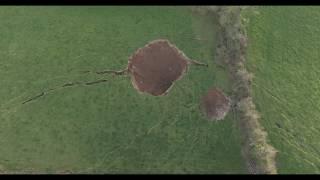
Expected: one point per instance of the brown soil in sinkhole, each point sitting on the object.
(155, 67)
(215, 104)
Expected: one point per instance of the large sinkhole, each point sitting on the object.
(155, 67)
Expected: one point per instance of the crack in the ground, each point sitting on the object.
(66, 85)
(34, 98)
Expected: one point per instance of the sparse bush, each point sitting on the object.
(259, 150)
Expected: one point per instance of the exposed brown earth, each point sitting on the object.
(215, 104)
(155, 67)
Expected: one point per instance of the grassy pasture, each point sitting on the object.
(283, 54)
(107, 127)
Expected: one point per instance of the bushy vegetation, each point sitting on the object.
(230, 52)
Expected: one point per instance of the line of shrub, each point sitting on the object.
(230, 53)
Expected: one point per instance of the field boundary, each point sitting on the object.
(230, 54)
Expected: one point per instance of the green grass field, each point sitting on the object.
(109, 127)
(284, 56)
